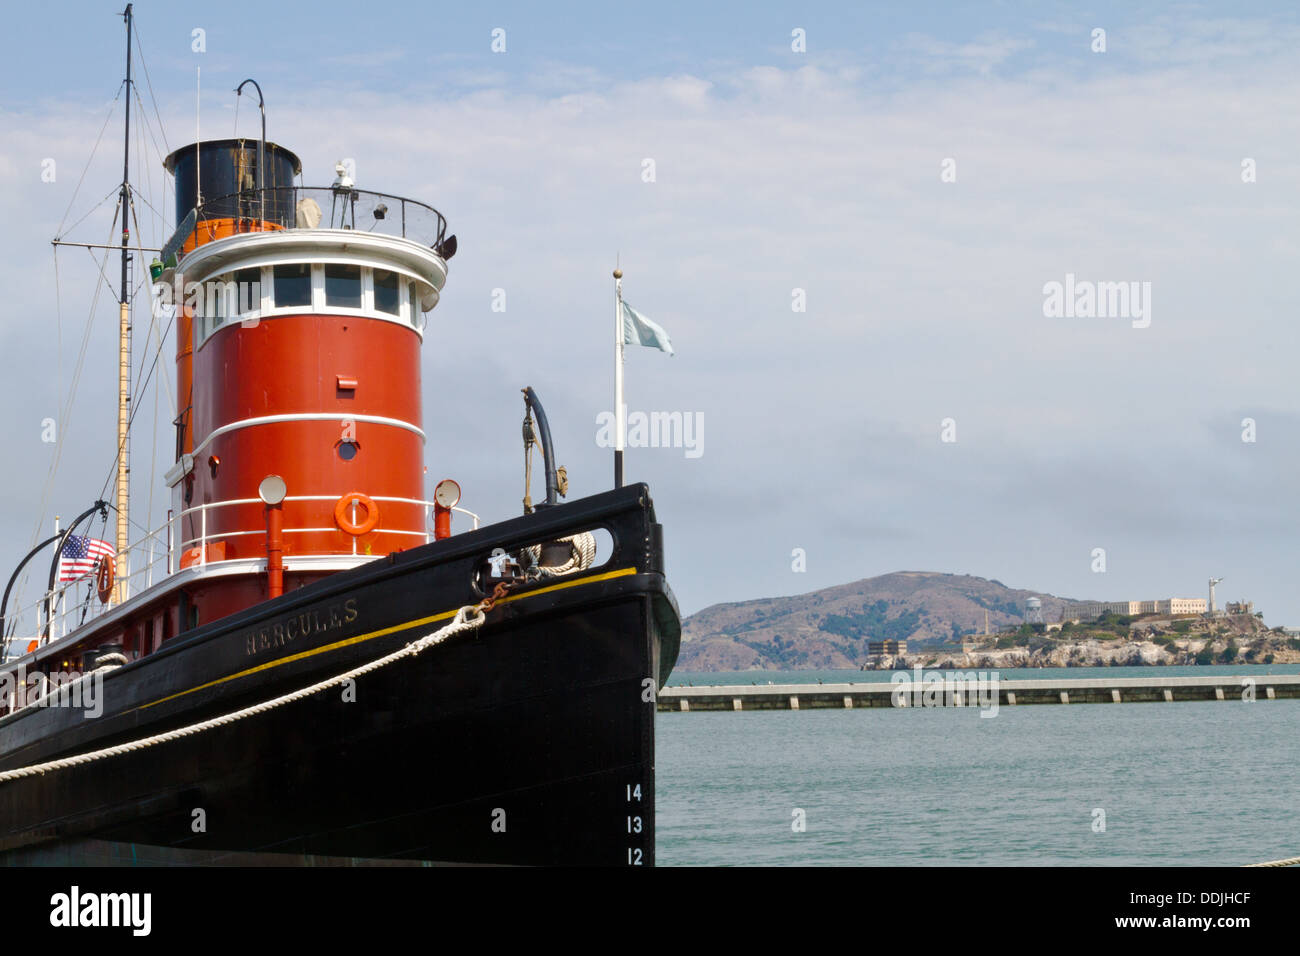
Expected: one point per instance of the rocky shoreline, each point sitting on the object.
(1101, 652)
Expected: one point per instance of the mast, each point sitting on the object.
(124, 345)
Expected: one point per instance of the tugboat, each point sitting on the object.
(304, 665)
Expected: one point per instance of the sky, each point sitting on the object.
(848, 217)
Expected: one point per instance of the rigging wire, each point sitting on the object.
(66, 410)
(153, 209)
(144, 380)
(143, 170)
(111, 194)
(153, 324)
(153, 457)
(140, 385)
(149, 82)
(148, 180)
(100, 265)
(134, 409)
(89, 161)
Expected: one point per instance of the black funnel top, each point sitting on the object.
(227, 166)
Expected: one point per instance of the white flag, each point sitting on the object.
(638, 330)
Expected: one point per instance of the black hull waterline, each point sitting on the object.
(529, 741)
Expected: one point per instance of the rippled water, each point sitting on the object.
(1184, 783)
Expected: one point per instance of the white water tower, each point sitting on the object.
(1033, 611)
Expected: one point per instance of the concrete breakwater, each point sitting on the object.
(977, 689)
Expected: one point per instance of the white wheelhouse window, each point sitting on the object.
(293, 286)
(386, 291)
(343, 286)
(244, 298)
(412, 298)
(268, 291)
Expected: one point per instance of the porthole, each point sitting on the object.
(348, 450)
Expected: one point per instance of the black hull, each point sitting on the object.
(530, 741)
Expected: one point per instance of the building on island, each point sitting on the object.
(1181, 606)
(882, 648)
(1091, 610)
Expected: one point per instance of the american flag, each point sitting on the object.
(79, 556)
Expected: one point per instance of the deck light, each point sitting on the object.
(447, 493)
(272, 490)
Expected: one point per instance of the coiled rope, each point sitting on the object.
(468, 618)
(582, 551)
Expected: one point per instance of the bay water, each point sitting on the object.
(1158, 784)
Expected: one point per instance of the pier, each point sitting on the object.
(964, 689)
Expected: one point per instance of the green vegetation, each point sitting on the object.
(1009, 608)
(1205, 655)
(1229, 653)
(1162, 640)
(1182, 627)
(780, 651)
(1115, 623)
(873, 624)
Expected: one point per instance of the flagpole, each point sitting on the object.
(620, 426)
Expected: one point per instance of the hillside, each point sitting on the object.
(830, 628)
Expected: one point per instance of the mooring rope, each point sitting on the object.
(1289, 861)
(468, 618)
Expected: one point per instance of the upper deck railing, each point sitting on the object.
(157, 555)
(314, 207)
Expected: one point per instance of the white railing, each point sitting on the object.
(157, 555)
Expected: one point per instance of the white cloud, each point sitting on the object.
(980, 55)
